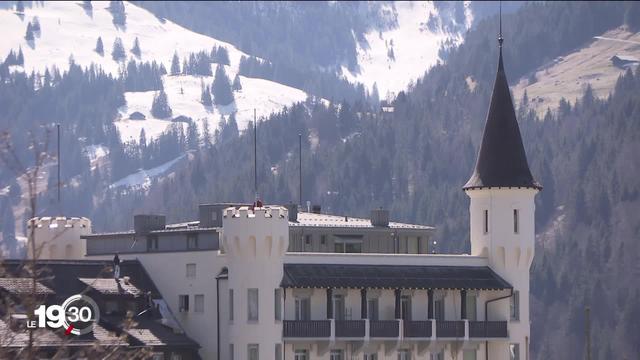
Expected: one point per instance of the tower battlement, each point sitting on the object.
(58, 222)
(265, 212)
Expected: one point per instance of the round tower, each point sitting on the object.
(255, 241)
(58, 237)
(502, 209)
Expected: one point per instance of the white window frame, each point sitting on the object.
(302, 308)
(183, 303)
(516, 221)
(485, 221)
(404, 354)
(514, 306)
(253, 349)
(514, 351)
(191, 270)
(301, 354)
(336, 354)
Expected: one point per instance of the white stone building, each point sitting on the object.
(270, 282)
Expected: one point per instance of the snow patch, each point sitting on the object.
(142, 178)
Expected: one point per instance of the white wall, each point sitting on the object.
(59, 237)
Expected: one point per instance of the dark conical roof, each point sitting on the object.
(502, 161)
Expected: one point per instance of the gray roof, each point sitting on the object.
(309, 219)
(502, 161)
(391, 277)
(21, 286)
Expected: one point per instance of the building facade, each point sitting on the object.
(271, 282)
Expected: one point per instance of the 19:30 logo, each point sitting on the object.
(77, 315)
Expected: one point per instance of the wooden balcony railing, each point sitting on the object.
(450, 329)
(417, 329)
(349, 328)
(384, 329)
(307, 328)
(488, 329)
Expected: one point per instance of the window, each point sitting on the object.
(152, 242)
(405, 307)
(486, 221)
(404, 354)
(252, 304)
(278, 352)
(192, 241)
(438, 309)
(307, 242)
(372, 310)
(514, 351)
(198, 303)
(191, 270)
(323, 239)
(348, 244)
(516, 214)
(471, 307)
(253, 352)
(214, 216)
(336, 355)
(231, 305)
(372, 356)
(515, 306)
(176, 356)
(111, 307)
(184, 303)
(438, 356)
(301, 355)
(303, 309)
(157, 356)
(469, 355)
(277, 303)
(231, 355)
(338, 307)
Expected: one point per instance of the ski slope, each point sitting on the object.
(68, 30)
(415, 48)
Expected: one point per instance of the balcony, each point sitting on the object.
(306, 329)
(417, 329)
(384, 329)
(450, 329)
(350, 328)
(488, 329)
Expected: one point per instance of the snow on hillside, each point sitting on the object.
(68, 30)
(142, 178)
(415, 49)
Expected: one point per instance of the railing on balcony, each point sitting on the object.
(349, 328)
(384, 328)
(488, 329)
(307, 328)
(450, 329)
(417, 329)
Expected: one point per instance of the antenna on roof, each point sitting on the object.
(58, 155)
(500, 38)
(300, 167)
(255, 155)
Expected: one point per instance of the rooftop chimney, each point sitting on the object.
(380, 217)
(293, 211)
(143, 224)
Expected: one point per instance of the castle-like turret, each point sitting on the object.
(59, 237)
(255, 241)
(502, 207)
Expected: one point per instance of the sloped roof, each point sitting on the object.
(502, 161)
(20, 286)
(391, 276)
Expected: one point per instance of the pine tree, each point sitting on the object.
(221, 88)
(160, 107)
(29, 35)
(135, 50)
(118, 52)
(185, 67)
(20, 7)
(205, 96)
(20, 57)
(36, 24)
(100, 46)
(175, 64)
(237, 86)
(87, 5)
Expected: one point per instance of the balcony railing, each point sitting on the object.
(417, 329)
(306, 328)
(450, 329)
(350, 328)
(384, 329)
(488, 329)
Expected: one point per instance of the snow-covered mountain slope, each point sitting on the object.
(394, 58)
(69, 30)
